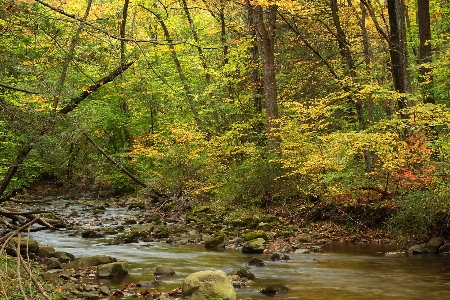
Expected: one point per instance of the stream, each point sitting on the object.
(343, 271)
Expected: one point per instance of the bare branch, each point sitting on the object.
(9, 87)
(75, 17)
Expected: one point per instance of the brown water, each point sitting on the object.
(343, 271)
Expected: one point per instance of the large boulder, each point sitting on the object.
(211, 284)
(254, 246)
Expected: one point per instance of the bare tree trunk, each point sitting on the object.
(257, 86)
(266, 40)
(398, 50)
(423, 19)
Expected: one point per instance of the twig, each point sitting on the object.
(9, 87)
(19, 278)
(5, 239)
(27, 269)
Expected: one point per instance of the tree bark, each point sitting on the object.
(257, 86)
(423, 19)
(266, 40)
(398, 50)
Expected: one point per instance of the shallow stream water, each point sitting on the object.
(343, 271)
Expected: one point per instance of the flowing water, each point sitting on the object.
(343, 271)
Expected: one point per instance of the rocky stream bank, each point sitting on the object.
(172, 221)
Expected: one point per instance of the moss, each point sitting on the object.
(217, 242)
(202, 209)
(168, 206)
(255, 234)
(162, 232)
(192, 218)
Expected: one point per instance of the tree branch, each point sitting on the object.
(9, 87)
(93, 87)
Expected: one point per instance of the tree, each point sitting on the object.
(398, 50)
(423, 20)
(265, 33)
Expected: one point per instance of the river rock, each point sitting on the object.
(115, 269)
(148, 283)
(45, 251)
(64, 257)
(434, 244)
(92, 234)
(95, 260)
(53, 263)
(254, 246)
(211, 284)
(163, 271)
(418, 249)
(256, 262)
(104, 290)
(25, 243)
(301, 251)
(74, 213)
(444, 248)
(86, 295)
(217, 242)
(279, 256)
(242, 273)
(275, 289)
(51, 276)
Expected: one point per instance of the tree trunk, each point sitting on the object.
(346, 54)
(256, 84)
(423, 19)
(266, 40)
(398, 50)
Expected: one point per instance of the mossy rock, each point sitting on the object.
(136, 205)
(192, 218)
(249, 222)
(168, 206)
(161, 232)
(202, 209)
(216, 243)
(243, 273)
(255, 234)
(275, 289)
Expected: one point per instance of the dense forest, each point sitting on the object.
(232, 103)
